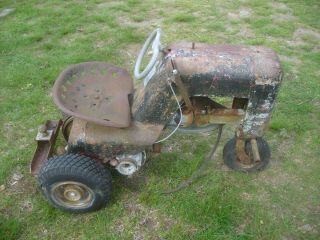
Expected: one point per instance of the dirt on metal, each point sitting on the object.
(45, 145)
(96, 92)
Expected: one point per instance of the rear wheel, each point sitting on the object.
(75, 183)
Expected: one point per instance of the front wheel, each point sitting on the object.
(75, 183)
(232, 161)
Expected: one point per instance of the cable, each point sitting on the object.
(175, 96)
(205, 162)
(200, 170)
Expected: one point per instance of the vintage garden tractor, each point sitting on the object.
(109, 122)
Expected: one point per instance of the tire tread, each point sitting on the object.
(80, 166)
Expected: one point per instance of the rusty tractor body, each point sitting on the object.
(110, 122)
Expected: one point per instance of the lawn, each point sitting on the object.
(41, 38)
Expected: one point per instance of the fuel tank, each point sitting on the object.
(224, 70)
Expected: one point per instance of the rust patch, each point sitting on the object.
(244, 72)
(96, 92)
(45, 145)
(106, 142)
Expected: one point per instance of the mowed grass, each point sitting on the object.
(41, 38)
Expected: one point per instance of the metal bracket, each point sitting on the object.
(255, 150)
(240, 147)
(46, 138)
(242, 156)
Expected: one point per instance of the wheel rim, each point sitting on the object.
(72, 194)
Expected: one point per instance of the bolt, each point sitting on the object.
(43, 129)
(113, 162)
(175, 71)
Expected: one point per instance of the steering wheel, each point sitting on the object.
(154, 39)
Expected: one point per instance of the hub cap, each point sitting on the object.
(72, 194)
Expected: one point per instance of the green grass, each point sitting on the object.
(183, 18)
(41, 38)
(9, 228)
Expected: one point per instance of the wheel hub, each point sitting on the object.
(72, 194)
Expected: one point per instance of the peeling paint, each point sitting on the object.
(208, 71)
